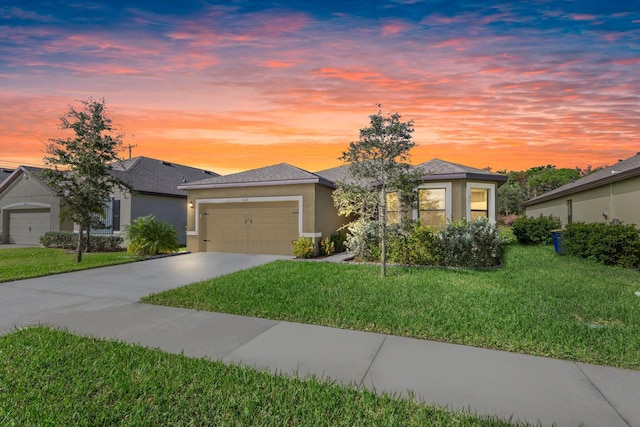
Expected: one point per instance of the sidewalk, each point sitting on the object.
(102, 303)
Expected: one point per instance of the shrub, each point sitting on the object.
(535, 231)
(327, 247)
(338, 238)
(472, 244)
(303, 247)
(68, 240)
(147, 236)
(413, 244)
(363, 239)
(610, 244)
(60, 240)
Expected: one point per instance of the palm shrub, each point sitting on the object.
(147, 236)
(536, 231)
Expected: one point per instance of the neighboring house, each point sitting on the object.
(608, 195)
(4, 174)
(29, 207)
(264, 210)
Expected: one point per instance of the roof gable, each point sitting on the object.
(620, 171)
(31, 171)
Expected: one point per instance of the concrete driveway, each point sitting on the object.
(29, 301)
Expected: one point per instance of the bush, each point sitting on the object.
(363, 239)
(69, 241)
(472, 244)
(338, 238)
(303, 247)
(60, 240)
(413, 244)
(535, 231)
(327, 247)
(610, 244)
(147, 236)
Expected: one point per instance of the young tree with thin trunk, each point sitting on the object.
(380, 158)
(79, 167)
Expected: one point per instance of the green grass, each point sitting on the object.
(25, 263)
(50, 377)
(539, 303)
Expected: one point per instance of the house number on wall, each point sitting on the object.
(245, 199)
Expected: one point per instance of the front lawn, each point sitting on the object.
(539, 303)
(25, 263)
(50, 377)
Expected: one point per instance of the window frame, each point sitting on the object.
(491, 206)
(448, 198)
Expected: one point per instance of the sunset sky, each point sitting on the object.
(234, 85)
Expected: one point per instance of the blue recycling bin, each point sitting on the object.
(558, 241)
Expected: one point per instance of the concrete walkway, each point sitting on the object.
(103, 303)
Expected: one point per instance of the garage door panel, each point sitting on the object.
(27, 227)
(268, 227)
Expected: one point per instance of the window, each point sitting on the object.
(393, 208)
(570, 211)
(432, 207)
(479, 203)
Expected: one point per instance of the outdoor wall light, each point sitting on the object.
(191, 204)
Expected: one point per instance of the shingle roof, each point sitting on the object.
(437, 169)
(154, 176)
(4, 174)
(622, 170)
(280, 174)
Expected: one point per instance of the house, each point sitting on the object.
(264, 210)
(4, 174)
(608, 195)
(29, 207)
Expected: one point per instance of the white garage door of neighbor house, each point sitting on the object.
(256, 228)
(26, 228)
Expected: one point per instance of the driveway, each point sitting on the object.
(25, 302)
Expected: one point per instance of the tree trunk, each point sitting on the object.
(383, 233)
(80, 244)
(88, 245)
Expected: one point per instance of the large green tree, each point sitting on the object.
(79, 166)
(378, 162)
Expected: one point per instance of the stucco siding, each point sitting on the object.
(617, 201)
(328, 221)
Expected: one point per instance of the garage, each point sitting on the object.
(258, 228)
(26, 227)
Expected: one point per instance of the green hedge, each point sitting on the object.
(610, 244)
(535, 231)
(68, 240)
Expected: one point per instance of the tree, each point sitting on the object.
(379, 161)
(79, 167)
(510, 199)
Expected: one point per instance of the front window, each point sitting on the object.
(479, 203)
(432, 207)
(393, 208)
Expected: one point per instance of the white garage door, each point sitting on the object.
(25, 228)
(256, 228)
